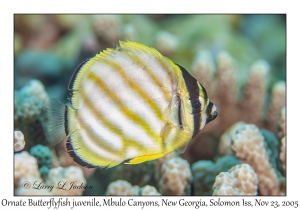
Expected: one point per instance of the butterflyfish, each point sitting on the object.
(128, 104)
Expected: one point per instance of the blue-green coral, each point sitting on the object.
(273, 149)
(205, 171)
(44, 171)
(43, 156)
(28, 102)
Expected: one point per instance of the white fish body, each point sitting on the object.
(129, 104)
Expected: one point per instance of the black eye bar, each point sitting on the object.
(196, 104)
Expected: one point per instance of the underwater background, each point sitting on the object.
(239, 59)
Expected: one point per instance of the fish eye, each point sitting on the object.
(196, 104)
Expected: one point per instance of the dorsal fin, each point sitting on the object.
(135, 46)
(73, 78)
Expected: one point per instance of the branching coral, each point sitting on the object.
(278, 101)
(176, 177)
(205, 171)
(25, 164)
(227, 91)
(223, 88)
(29, 102)
(122, 187)
(254, 94)
(249, 146)
(239, 180)
(19, 141)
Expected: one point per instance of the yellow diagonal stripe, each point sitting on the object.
(151, 74)
(126, 111)
(132, 84)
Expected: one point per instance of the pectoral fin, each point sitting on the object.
(181, 149)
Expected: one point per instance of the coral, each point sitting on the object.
(44, 171)
(239, 180)
(166, 43)
(254, 94)
(43, 155)
(25, 164)
(149, 190)
(234, 103)
(283, 153)
(37, 89)
(272, 146)
(107, 28)
(278, 101)
(224, 147)
(19, 141)
(227, 92)
(248, 145)
(70, 180)
(29, 102)
(140, 174)
(122, 187)
(205, 171)
(282, 124)
(176, 177)
(159, 162)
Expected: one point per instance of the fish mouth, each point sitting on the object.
(212, 115)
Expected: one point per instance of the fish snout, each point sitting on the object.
(212, 115)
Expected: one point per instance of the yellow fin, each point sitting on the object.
(145, 158)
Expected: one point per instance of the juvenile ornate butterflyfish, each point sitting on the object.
(129, 104)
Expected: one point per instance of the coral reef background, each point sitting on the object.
(239, 59)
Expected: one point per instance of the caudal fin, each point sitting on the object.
(54, 121)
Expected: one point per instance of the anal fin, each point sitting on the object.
(145, 158)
